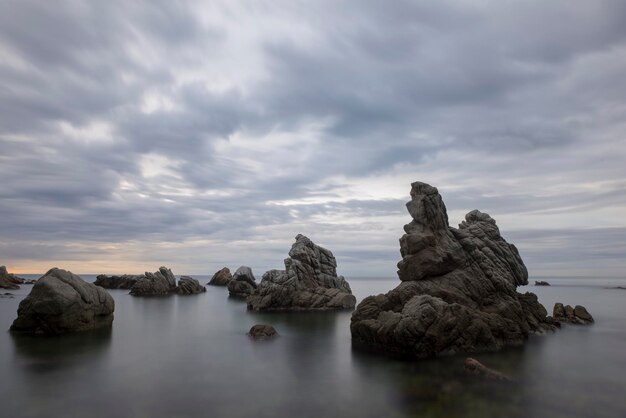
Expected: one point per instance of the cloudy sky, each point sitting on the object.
(206, 134)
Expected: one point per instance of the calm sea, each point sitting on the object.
(189, 356)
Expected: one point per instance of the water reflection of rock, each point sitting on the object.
(440, 388)
(46, 354)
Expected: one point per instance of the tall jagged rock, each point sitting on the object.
(309, 282)
(458, 290)
(61, 302)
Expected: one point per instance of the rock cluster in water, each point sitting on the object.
(61, 302)
(125, 281)
(309, 282)
(458, 291)
(577, 315)
(8, 280)
(221, 277)
(243, 283)
(160, 283)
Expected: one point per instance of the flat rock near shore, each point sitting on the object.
(458, 290)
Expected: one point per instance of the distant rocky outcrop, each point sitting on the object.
(261, 331)
(61, 302)
(8, 280)
(243, 283)
(221, 277)
(160, 283)
(309, 282)
(577, 315)
(189, 286)
(458, 291)
(125, 281)
(541, 283)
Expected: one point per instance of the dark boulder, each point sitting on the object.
(189, 286)
(125, 281)
(221, 277)
(243, 283)
(260, 331)
(577, 315)
(61, 302)
(309, 282)
(458, 290)
(160, 283)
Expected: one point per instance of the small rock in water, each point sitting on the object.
(189, 286)
(541, 283)
(261, 331)
(221, 277)
(577, 315)
(476, 368)
(243, 283)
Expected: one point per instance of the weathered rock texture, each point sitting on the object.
(458, 291)
(61, 302)
(243, 283)
(8, 280)
(125, 281)
(160, 283)
(309, 282)
(221, 277)
(261, 331)
(577, 315)
(189, 286)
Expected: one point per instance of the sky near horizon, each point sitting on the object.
(202, 134)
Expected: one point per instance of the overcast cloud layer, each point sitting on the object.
(204, 134)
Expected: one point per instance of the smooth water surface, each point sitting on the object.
(189, 356)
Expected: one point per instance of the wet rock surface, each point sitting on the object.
(189, 286)
(458, 290)
(243, 283)
(61, 302)
(309, 282)
(160, 283)
(221, 278)
(577, 315)
(261, 331)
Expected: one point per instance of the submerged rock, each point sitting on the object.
(577, 315)
(541, 283)
(261, 331)
(8, 280)
(160, 283)
(243, 283)
(189, 286)
(309, 282)
(61, 302)
(475, 367)
(221, 277)
(458, 291)
(125, 281)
